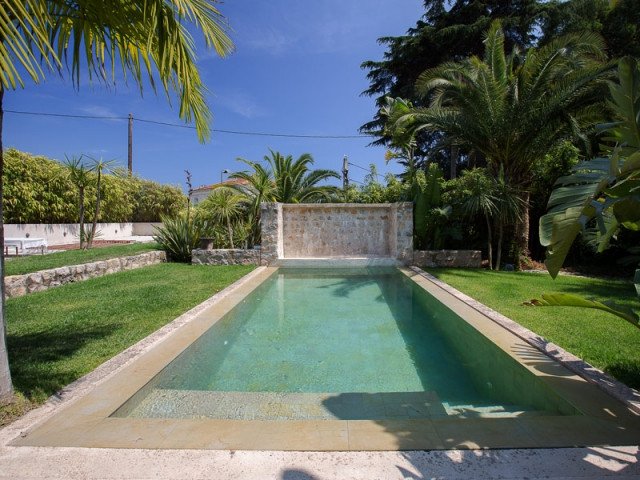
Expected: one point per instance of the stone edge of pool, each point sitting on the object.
(79, 415)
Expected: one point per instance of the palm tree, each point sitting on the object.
(295, 182)
(136, 36)
(513, 108)
(225, 206)
(100, 167)
(480, 199)
(79, 174)
(256, 187)
(282, 180)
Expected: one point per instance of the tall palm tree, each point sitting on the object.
(281, 180)
(296, 182)
(513, 108)
(104, 36)
(256, 187)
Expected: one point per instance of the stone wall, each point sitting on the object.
(448, 258)
(271, 232)
(225, 257)
(326, 231)
(336, 230)
(18, 285)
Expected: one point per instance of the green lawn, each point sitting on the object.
(601, 339)
(33, 263)
(57, 336)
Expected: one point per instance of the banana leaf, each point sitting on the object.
(569, 300)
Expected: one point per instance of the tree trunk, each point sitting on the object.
(489, 242)
(499, 247)
(95, 217)
(454, 161)
(523, 230)
(6, 387)
(81, 208)
(230, 232)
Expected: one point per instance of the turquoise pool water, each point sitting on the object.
(313, 333)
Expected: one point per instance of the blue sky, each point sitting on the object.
(295, 70)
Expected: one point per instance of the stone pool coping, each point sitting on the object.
(611, 386)
(86, 405)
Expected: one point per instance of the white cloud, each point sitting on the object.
(269, 40)
(98, 111)
(239, 103)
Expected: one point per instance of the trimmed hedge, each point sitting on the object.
(38, 190)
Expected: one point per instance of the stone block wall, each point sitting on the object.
(18, 285)
(403, 226)
(226, 257)
(271, 232)
(322, 230)
(448, 258)
(336, 230)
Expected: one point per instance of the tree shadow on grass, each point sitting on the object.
(39, 361)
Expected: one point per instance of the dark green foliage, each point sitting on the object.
(179, 235)
(556, 163)
(449, 31)
(602, 190)
(620, 26)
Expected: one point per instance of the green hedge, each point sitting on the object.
(38, 190)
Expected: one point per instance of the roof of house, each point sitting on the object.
(230, 181)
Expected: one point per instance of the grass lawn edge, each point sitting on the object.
(613, 387)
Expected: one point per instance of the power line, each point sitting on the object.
(361, 168)
(42, 114)
(176, 125)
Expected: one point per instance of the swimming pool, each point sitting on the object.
(306, 336)
(565, 411)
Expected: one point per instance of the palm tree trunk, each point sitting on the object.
(454, 161)
(523, 230)
(95, 217)
(230, 232)
(6, 387)
(81, 209)
(489, 242)
(499, 247)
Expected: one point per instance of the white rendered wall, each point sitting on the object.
(63, 233)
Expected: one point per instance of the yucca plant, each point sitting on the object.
(179, 235)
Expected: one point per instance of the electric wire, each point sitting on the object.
(176, 125)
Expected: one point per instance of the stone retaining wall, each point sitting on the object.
(18, 285)
(225, 257)
(336, 230)
(448, 258)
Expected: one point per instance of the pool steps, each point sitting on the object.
(163, 403)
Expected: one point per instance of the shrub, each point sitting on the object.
(179, 235)
(39, 190)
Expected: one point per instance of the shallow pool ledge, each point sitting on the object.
(341, 262)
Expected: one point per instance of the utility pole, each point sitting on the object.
(130, 146)
(345, 173)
